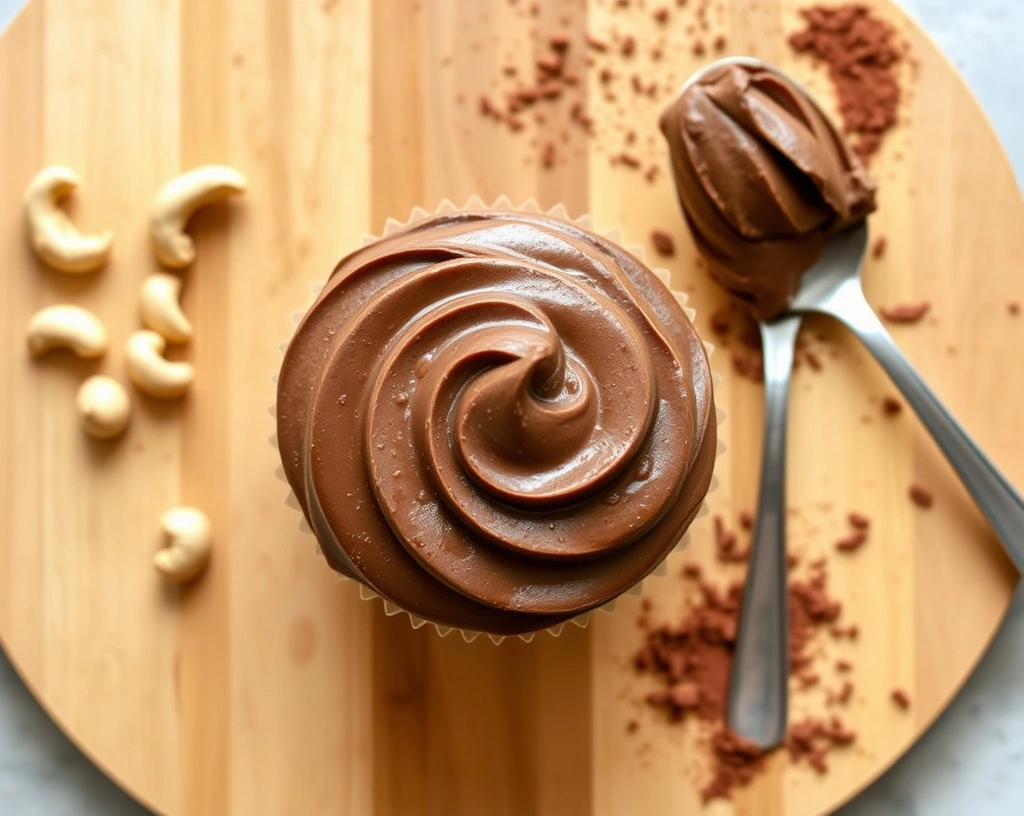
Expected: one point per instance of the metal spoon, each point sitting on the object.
(759, 683)
(758, 694)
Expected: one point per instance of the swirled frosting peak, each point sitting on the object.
(496, 420)
(763, 178)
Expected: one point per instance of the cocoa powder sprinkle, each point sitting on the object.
(891, 406)
(920, 496)
(663, 242)
(904, 312)
(862, 55)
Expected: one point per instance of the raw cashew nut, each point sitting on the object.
(66, 326)
(188, 550)
(160, 309)
(151, 372)
(176, 202)
(104, 407)
(54, 238)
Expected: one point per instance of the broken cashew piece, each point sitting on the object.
(152, 373)
(104, 407)
(175, 203)
(57, 241)
(158, 302)
(66, 326)
(189, 544)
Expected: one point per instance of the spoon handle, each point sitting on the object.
(995, 497)
(759, 685)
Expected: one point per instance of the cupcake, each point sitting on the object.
(496, 420)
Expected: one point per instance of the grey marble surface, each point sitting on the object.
(970, 762)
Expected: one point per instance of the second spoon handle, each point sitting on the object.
(759, 685)
(1001, 505)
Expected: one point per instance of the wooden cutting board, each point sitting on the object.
(270, 688)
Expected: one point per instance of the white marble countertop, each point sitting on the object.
(971, 761)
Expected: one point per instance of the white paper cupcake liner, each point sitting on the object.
(503, 204)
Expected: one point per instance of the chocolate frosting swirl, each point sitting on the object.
(763, 178)
(496, 420)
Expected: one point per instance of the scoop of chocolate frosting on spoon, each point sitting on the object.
(763, 178)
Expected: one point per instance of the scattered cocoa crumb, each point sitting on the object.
(852, 631)
(810, 607)
(1013, 307)
(808, 678)
(843, 665)
(878, 247)
(859, 520)
(627, 47)
(844, 694)
(746, 519)
(559, 41)
(905, 312)
(632, 726)
(891, 406)
(692, 570)
(547, 157)
(812, 739)
(698, 48)
(596, 43)
(550, 63)
(727, 550)
(852, 542)
(901, 698)
(862, 55)
(719, 42)
(736, 762)
(661, 14)
(920, 496)
(663, 243)
(735, 322)
(748, 365)
(487, 107)
(628, 159)
(651, 173)
(720, 322)
(813, 360)
(696, 651)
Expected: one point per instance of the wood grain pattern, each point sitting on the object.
(268, 687)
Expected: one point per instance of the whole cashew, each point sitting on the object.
(158, 301)
(152, 373)
(104, 407)
(175, 203)
(188, 550)
(66, 326)
(54, 238)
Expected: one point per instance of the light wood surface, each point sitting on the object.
(270, 688)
